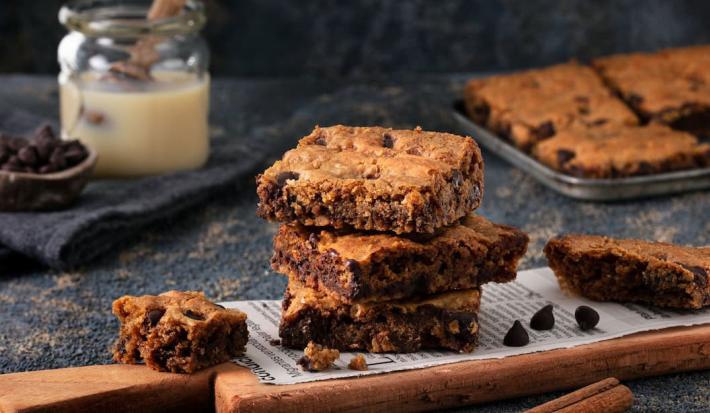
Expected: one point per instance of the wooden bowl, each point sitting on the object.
(21, 191)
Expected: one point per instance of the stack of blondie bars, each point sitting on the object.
(378, 239)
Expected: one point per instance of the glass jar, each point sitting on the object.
(135, 90)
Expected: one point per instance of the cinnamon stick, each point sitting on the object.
(607, 396)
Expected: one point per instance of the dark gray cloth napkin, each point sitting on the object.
(110, 211)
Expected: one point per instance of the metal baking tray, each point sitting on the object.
(615, 189)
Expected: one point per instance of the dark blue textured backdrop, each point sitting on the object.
(367, 38)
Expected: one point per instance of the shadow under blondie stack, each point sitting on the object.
(379, 242)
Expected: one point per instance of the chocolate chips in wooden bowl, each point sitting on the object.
(42, 172)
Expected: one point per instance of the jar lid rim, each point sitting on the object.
(109, 18)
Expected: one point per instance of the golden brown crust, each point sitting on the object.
(629, 270)
(611, 151)
(373, 178)
(318, 358)
(533, 105)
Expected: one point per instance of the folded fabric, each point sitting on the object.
(110, 211)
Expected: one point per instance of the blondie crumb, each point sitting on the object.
(358, 363)
(318, 358)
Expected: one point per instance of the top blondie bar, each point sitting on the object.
(373, 178)
(671, 86)
(532, 105)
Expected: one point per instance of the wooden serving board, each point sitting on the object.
(230, 388)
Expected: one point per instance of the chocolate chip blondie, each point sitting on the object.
(628, 270)
(530, 106)
(671, 86)
(444, 321)
(179, 332)
(379, 266)
(612, 151)
(373, 178)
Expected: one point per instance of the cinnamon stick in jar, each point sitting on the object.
(607, 396)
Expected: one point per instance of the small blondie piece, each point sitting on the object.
(629, 270)
(671, 86)
(443, 321)
(368, 267)
(530, 106)
(318, 358)
(613, 151)
(372, 178)
(179, 332)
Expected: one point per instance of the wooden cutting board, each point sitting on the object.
(230, 388)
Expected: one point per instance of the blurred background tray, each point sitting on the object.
(616, 189)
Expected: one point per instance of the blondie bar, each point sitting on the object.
(671, 86)
(611, 151)
(180, 332)
(446, 321)
(530, 106)
(372, 178)
(628, 270)
(377, 266)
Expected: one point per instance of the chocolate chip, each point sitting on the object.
(47, 169)
(516, 336)
(28, 155)
(305, 363)
(701, 274)
(354, 267)
(544, 319)
(583, 110)
(44, 132)
(45, 148)
(586, 317)
(597, 122)
(282, 177)
(545, 130)
(57, 159)
(275, 342)
(387, 141)
(456, 178)
(634, 99)
(155, 315)
(564, 156)
(313, 239)
(194, 315)
(320, 140)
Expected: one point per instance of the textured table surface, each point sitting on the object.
(51, 319)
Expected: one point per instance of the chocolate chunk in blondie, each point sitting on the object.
(628, 270)
(179, 332)
(372, 178)
(671, 86)
(377, 266)
(446, 321)
(531, 106)
(611, 151)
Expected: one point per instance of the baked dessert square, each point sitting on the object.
(443, 321)
(530, 106)
(359, 267)
(671, 86)
(628, 270)
(373, 178)
(612, 151)
(179, 332)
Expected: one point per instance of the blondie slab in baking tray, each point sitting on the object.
(584, 188)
